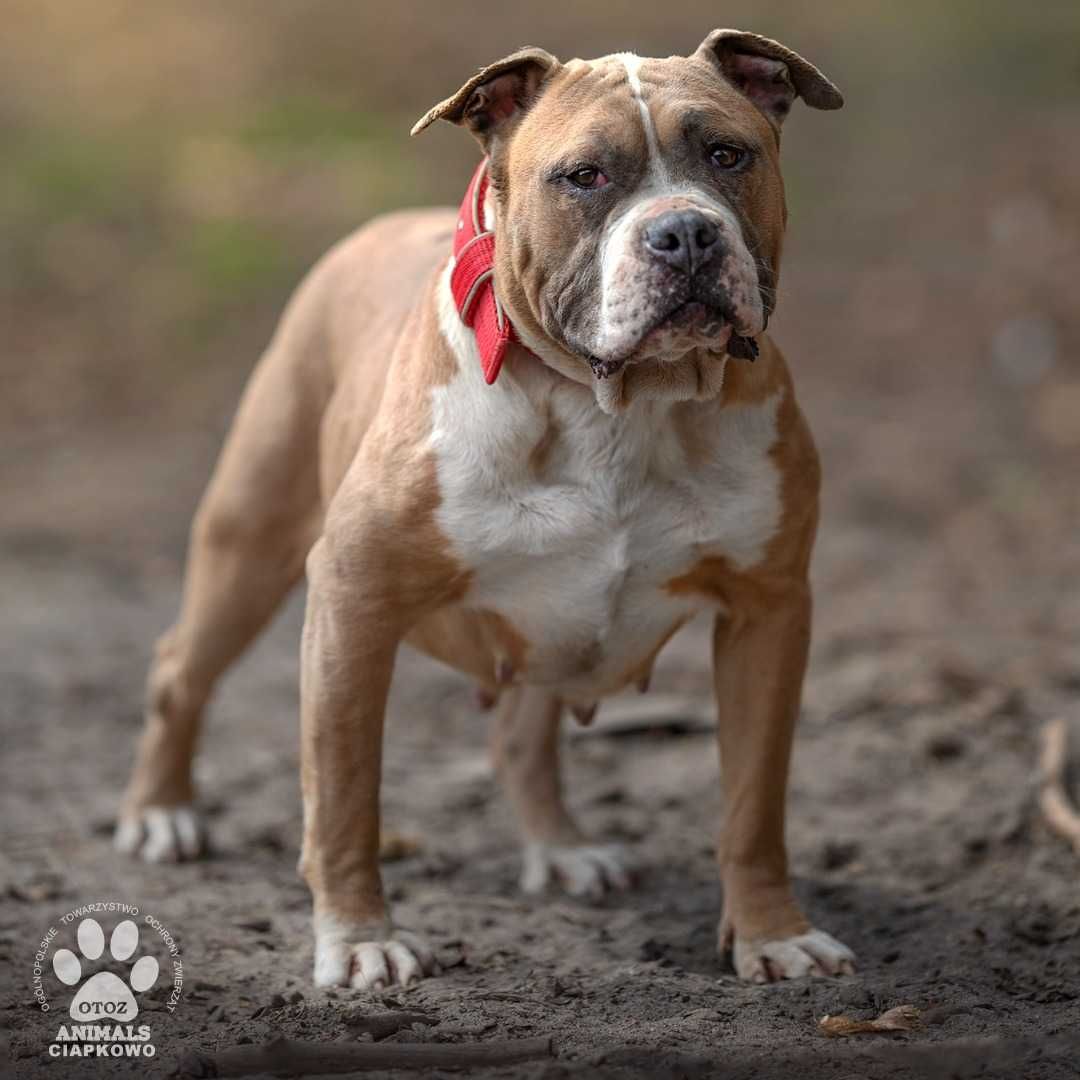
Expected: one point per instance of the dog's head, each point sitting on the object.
(639, 204)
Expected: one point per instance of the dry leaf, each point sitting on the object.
(900, 1018)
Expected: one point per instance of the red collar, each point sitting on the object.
(472, 279)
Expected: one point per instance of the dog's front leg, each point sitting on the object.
(351, 634)
(759, 661)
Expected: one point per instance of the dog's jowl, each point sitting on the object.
(533, 436)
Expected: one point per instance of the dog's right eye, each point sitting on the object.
(587, 177)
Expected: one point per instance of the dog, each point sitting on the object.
(532, 438)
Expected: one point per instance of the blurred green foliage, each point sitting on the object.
(310, 124)
(169, 170)
(64, 174)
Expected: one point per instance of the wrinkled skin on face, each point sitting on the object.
(592, 267)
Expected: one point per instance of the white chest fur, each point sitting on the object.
(572, 520)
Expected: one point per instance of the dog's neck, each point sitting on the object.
(696, 376)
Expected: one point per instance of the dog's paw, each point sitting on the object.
(812, 953)
(344, 959)
(161, 834)
(588, 870)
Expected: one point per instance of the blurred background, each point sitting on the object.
(169, 171)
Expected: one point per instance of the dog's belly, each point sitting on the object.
(589, 616)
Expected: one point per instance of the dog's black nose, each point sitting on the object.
(684, 239)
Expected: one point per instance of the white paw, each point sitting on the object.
(812, 953)
(582, 870)
(161, 834)
(344, 958)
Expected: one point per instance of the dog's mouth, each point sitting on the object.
(689, 324)
(694, 315)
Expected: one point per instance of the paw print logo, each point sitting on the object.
(105, 996)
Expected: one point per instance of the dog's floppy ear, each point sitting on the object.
(768, 73)
(494, 99)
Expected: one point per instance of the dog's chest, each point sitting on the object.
(573, 522)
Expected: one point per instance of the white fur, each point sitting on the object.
(162, 834)
(368, 957)
(657, 165)
(812, 953)
(578, 558)
(582, 870)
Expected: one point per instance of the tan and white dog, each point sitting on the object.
(548, 533)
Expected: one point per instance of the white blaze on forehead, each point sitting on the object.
(632, 63)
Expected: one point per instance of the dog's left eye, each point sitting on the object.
(726, 156)
(587, 177)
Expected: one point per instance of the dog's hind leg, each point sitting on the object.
(256, 522)
(526, 751)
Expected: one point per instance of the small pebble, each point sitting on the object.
(945, 748)
(257, 926)
(837, 854)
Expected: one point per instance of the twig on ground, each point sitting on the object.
(383, 1024)
(292, 1057)
(1059, 810)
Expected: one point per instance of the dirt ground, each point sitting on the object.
(931, 322)
(946, 632)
